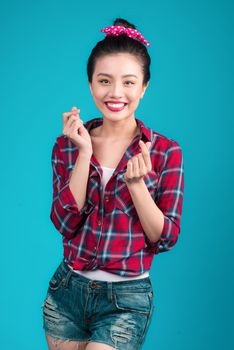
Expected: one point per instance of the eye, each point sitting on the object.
(129, 82)
(102, 80)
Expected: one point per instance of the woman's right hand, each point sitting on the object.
(74, 129)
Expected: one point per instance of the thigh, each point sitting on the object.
(61, 344)
(98, 346)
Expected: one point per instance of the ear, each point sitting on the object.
(144, 88)
(90, 87)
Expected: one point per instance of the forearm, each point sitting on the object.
(150, 216)
(79, 179)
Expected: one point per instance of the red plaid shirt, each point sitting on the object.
(107, 233)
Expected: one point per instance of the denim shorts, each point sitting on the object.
(114, 313)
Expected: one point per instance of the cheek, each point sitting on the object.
(135, 96)
(135, 101)
(98, 97)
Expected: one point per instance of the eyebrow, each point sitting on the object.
(124, 76)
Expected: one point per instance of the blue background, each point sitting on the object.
(44, 49)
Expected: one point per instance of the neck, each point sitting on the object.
(116, 130)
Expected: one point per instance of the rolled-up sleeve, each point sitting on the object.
(169, 198)
(64, 214)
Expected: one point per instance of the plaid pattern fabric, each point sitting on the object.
(106, 233)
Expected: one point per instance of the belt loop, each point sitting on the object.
(109, 291)
(66, 279)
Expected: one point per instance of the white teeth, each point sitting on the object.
(115, 105)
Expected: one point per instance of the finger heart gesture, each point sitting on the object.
(139, 165)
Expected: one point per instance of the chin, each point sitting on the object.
(117, 118)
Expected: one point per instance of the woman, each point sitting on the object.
(117, 201)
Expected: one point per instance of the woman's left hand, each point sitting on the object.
(139, 165)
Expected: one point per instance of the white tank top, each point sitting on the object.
(100, 274)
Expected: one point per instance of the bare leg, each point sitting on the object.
(60, 344)
(98, 346)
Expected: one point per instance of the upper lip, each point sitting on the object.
(115, 101)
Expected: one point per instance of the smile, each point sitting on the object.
(115, 107)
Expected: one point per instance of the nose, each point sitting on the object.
(116, 91)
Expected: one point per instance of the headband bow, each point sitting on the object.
(131, 33)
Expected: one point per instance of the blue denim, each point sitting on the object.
(115, 313)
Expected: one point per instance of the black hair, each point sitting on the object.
(120, 44)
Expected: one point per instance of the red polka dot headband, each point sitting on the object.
(131, 33)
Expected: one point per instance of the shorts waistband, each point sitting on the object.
(144, 283)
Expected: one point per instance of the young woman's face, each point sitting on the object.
(117, 78)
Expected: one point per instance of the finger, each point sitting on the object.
(75, 127)
(76, 111)
(76, 122)
(148, 144)
(66, 115)
(129, 172)
(136, 170)
(70, 121)
(81, 129)
(65, 118)
(142, 167)
(73, 123)
(145, 154)
(74, 130)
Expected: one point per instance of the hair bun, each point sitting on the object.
(123, 22)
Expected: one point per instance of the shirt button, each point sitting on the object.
(99, 223)
(107, 199)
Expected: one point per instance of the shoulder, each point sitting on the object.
(159, 141)
(162, 143)
(164, 150)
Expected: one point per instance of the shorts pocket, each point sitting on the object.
(57, 279)
(141, 302)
